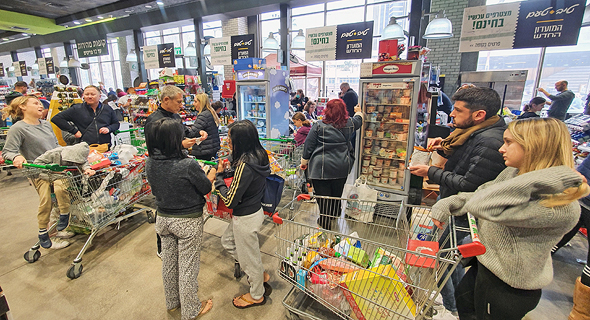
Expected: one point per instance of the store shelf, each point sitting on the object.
(384, 158)
(255, 101)
(249, 117)
(388, 139)
(388, 104)
(382, 185)
(584, 148)
(389, 121)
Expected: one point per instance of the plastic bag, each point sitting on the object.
(126, 152)
(361, 208)
(420, 156)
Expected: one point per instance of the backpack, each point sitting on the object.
(273, 192)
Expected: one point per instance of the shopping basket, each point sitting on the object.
(392, 268)
(96, 202)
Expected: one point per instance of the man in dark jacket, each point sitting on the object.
(93, 121)
(472, 157)
(170, 104)
(349, 96)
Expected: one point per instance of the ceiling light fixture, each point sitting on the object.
(439, 28)
(132, 56)
(190, 50)
(88, 20)
(160, 3)
(393, 31)
(64, 63)
(73, 63)
(270, 43)
(76, 22)
(5, 39)
(298, 42)
(25, 34)
(100, 17)
(148, 6)
(128, 11)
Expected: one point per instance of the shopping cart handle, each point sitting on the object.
(276, 219)
(303, 196)
(211, 163)
(475, 248)
(123, 131)
(51, 167)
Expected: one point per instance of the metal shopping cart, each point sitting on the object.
(391, 268)
(287, 156)
(134, 137)
(98, 201)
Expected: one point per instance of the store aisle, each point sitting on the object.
(122, 280)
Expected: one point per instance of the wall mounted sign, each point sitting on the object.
(341, 42)
(242, 47)
(49, 65)
(92, 48)
(221, 51)
(526, 24)
(150, 57)
(166, 55)
(42, 66)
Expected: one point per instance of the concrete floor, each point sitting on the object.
(122, 275)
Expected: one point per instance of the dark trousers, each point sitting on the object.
(583, 223)
(329, 209)
(483, 296)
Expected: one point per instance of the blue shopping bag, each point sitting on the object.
(272, 194)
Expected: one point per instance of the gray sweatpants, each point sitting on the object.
(240, 239)
(181, 255)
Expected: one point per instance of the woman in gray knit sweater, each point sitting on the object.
(522, 214)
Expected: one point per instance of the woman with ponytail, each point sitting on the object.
(521, 215)
(530, 109)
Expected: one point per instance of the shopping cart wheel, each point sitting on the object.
(237, 271)
(151, 217)
(75, 271)
(293, 316)
(32, 256)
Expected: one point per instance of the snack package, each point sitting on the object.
(420, 156)
(358, 256)
(315, 241)
(337, 265)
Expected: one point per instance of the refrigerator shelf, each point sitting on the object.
(255, 102)
(388, 121)
(250, 117)
(383, 185)
(388, 104)
(384, 138)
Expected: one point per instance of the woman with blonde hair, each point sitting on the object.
(208, 121)
(26, 141)
(522, 213)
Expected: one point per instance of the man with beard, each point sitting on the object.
(472, 159)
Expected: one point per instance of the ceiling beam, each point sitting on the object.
(102, 10)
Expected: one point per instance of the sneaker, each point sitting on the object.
(159, 254)
(439, 300)
(441, 313)
(44, 240)
(63, 222)
(64, 234)
(59, 243)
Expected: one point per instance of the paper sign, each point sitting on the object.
(220, 51)
(320, 44)
(150, 57)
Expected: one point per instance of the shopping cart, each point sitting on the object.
(134, 137)
(98, 201)
(391, 268)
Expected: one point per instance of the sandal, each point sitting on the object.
(204, 309)
(267, 289)
(251, 303)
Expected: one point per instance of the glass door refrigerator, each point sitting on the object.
(388, 96)
(263, 98)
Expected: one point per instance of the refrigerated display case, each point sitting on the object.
(263, 98)
(388, 96)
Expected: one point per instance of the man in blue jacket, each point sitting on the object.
(93, 121)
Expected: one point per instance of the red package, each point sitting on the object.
(338, 265)
(425, 248)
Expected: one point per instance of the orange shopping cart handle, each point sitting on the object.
(472, 249)
(303, 196)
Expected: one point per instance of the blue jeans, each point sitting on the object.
(448, 290)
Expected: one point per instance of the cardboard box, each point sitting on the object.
(249, 63)
(374, 292)
(358, 256)
(429, 248)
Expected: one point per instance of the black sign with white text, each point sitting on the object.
(166, 55)
(354, 40)
(92, 48)
(242, 47)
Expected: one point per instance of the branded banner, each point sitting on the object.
(220, 51)
(92, 48)
(42, 66)
(2, 70)
(23, 68)
(150, 57)
(354, 40)
(526, 24)
(320, 44)
(49, 65)
(166, 55)
(242, 47)
(341, 42)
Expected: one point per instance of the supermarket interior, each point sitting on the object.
(381, 119)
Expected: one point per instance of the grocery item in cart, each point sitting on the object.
(425, 248)
(360, 210)
(382, 284)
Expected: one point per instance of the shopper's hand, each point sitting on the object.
(357, 108)
(203, 134)
(434, 144)
(104, 130)
(303, 167)
(211, 174)
(582, 176)
(78, 134)
(438, 224)
(18, 161)
(187, 143)
(89, 172)
(419, 170)
(543, 91)
(221, 166)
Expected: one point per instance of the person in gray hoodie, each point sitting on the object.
(76, 155)
(522, 214)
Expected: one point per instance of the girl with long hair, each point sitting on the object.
(522, 214)
(244, 196)
(328, 152)
(179, 185)
(208, 121)
(309, 110)
(530, 109)
(303, 126)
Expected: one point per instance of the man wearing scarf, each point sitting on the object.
(472, 156)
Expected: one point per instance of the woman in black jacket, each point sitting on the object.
(329, 154)
(208, 121)
(244, 196)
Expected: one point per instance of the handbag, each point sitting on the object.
(102, 148)
(362, 207)
(272, 194)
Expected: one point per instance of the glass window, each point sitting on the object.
(211, 24)
(115, 50)
(341, 71)
(173, 38)
(152, 34)
(152, 41)
(190, 27)
(307, 21)
(270, 15)
(170, 31)
(345, 4)
(85, 78)
(95, 72)
(348, 15)
(308, 9)
(179, 62)
(119, 76)
(186, 37)
(381, 13)
(107, 75)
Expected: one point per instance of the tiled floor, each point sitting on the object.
(122, 280)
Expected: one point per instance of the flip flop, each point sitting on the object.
(204, 305)
(267, 289)
(251, 303)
